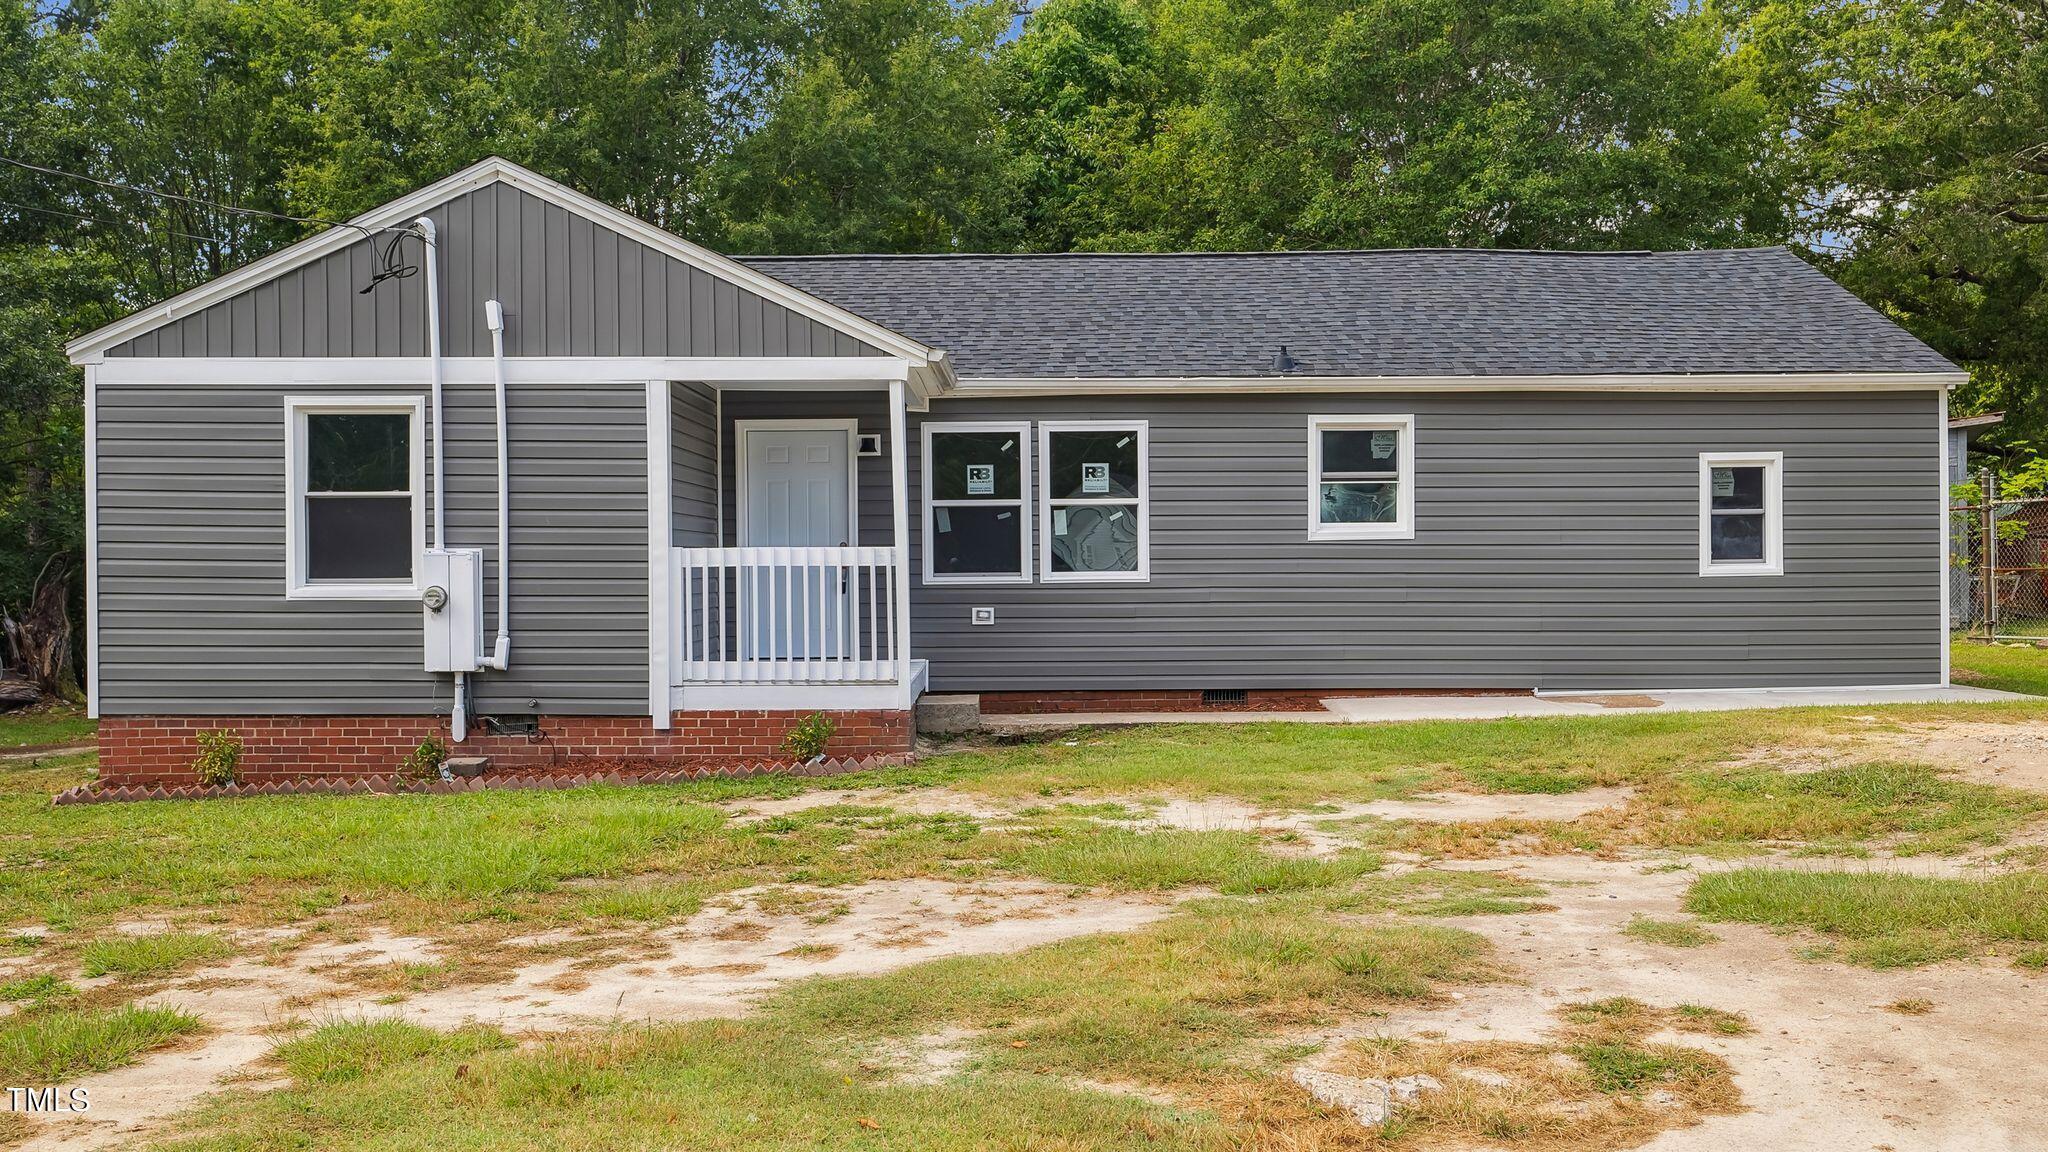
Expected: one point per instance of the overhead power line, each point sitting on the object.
(108, 223)
(119, 186)
(394, 267)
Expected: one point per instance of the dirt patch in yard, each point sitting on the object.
(919, 802)
(1829, 1066)
(2013, 755)
(714, 965)
(1320, 833)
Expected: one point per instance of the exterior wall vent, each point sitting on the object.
(1214, 697)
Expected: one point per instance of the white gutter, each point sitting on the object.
(458, 713)
(501, 654)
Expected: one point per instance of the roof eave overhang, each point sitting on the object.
(982, 387)
(93, 346)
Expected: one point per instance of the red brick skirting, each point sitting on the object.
(160, 749)
(1190, 700)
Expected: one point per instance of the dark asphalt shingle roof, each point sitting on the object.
(1391, 313)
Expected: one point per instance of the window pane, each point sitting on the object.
(359, 538)
(1738, 488)
(358, 452)
(1362, 502)
(976, 540)
(1736, 536)
(1361, 450)
(1093, 465)
(976, 466)
(1095, 538)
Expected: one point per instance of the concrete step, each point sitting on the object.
(947, 715)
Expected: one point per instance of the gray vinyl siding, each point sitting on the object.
(193, 617)
(1557, 546)
(569, 286)
(693, 463)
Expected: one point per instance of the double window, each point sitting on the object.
(1361, 477)
(1094, 501)
(354, 514)
(977, 523)
(1742, 514)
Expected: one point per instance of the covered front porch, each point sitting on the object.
(785, 585)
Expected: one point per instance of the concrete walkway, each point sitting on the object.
(1394, 709)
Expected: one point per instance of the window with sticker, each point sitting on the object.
(1361, 477)
(1094, 501)
(977, 527)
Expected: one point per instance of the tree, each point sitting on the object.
(881, 136)
(1922, 135)
(1082, 90)
(1371, 123)
(45, 288)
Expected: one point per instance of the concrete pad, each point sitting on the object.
(1061, 721)
(1400, 709)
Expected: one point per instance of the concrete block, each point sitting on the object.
(944, 715)
(465, 767)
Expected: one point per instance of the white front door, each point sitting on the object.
(797, 484)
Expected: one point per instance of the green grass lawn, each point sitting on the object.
(45, 725)
(2006, 667)
(1197, 1005)
(1888, 920)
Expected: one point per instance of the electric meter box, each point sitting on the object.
(452, 601)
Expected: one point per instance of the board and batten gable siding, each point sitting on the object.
(1556, 547)
(192, 611)
(570, 288)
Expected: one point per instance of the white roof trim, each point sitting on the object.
(91, 346)
(998, 386)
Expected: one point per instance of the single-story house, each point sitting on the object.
(501, 462)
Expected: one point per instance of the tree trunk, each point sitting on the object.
(38, 642)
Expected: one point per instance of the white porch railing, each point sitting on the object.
(784, 616)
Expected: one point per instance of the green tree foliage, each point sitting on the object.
(881, 138)
(1921, 133)
(1904, 145)
(1373, 123)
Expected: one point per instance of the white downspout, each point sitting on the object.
(501, 654)
(458, 714)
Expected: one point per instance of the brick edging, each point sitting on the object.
(493, 782)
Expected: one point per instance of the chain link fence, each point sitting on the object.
(1999, 549)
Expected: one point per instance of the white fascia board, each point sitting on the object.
(989, 387)
(93, 345)
(768, 372)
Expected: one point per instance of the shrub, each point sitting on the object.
(220, 758)
(425, 759)
(807, 740)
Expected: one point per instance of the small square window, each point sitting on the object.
(1361, 478)
(1741, 514)
(354, 518)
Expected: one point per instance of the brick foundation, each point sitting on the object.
(1190, 700)
(160, 749)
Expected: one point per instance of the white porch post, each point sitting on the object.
(660, 552)
(899, 485)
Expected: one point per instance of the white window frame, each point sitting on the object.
(1773, 562)
(1021, 429)
(1046, 429)
(1403, 525)
(296, 409)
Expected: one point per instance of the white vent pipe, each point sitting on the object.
(501, 653)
